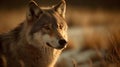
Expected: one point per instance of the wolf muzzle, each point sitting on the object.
(62, 43)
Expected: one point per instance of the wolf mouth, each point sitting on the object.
(48, 44)
(60, 47)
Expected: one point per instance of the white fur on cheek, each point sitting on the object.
(46, 38)
(51, 40)
(37, 39)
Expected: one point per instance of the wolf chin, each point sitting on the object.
(38, 41)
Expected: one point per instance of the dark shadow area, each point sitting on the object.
(93, 4)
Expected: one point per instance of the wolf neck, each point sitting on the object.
(37, 57)
(32, 56)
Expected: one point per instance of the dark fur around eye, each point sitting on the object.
(47, 27)
(61, 26)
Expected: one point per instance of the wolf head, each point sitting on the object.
(46, 26)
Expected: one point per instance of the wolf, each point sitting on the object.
(38, 40)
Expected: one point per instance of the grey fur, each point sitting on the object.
(16, 49)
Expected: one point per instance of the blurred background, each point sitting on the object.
(79, 12)
(93, 24)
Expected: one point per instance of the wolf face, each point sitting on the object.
(47, 25)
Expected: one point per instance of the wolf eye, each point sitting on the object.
(47, 27)
(60, 26)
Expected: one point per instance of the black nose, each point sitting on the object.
(62, 42)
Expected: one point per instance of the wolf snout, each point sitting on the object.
(62, 42)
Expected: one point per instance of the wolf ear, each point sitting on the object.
(33, 11)
(61, 8)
